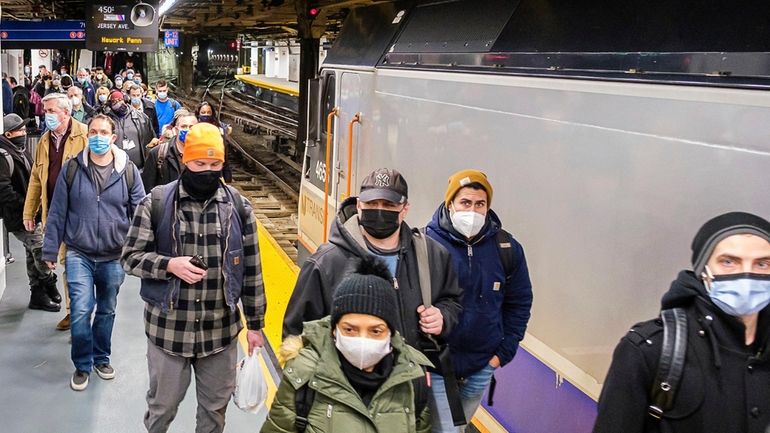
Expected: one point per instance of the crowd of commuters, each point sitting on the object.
(389, 327)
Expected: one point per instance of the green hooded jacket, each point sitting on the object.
(337, 407)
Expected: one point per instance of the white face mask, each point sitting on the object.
(468, 223)
(75, 101)
(362, 352)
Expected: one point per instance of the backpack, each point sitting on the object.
(21, 104)
(156, 207)
(162, 154)
(673, 354)
(72, 169)
(8, 160)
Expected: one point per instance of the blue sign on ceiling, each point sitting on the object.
(43, 31)
(171, 38)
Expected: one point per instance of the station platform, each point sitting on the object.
(279, 85)
(36, 366)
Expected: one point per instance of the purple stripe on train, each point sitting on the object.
(527, 400)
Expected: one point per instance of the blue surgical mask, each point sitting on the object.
(183, 135)
(102, 98)
(99, 144)
(129, 76)
(136, 101)
(52, 121)
(740, 294)
(137, 81)
(118, 83)
(162, 95)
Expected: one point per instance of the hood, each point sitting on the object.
(120, 158)
(346, 233)
(441, 223)
(684, 290)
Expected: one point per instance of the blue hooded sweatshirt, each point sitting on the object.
(92, 223)
(495, 311)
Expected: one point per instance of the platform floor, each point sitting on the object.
(273, 83)
(35, 369)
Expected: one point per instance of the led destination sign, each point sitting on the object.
(122, 25)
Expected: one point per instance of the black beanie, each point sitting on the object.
(367, 291)
(723, 226)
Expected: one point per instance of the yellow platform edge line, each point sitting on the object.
(288, 90)
(279, 274)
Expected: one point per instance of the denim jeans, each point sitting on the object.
(92, 284)
(471, 391)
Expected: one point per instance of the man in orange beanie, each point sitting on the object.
(193, 242)
(497, 293)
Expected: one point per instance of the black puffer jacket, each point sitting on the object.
(13, 186)
(337, 258)
(725, 385)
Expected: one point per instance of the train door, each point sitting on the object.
(348, 132)
(317, 195)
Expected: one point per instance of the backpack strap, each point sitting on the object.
(303, 401)
(8, 160)
(505, 250)
(129, 174)
(240, 207)
(162, 153)
(671, 365)
(423, 265)
(72, 169)
(156, 207)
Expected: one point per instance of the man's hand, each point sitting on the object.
(255, 339)
(431, 320)
(51, 265)
(495, 362)
(184, 270)
(153, 143)
(29, 225)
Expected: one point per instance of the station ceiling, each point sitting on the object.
(222, 19)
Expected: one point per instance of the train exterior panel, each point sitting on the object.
(603, 181)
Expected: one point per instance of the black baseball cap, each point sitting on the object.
(384, 184)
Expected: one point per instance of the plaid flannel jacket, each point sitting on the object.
(200, 323)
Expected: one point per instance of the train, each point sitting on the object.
(610, 132)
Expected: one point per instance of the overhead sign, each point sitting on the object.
(43, 34)
(171, 38)
(122, 25)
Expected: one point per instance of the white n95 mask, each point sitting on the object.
(468, 223)
(362, 352)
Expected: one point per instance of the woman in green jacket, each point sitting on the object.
(352, 370)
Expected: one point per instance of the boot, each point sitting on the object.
(64, 324)
(39, 300)
(52, 291)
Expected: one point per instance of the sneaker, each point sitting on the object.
(79, 380)
(105, 371)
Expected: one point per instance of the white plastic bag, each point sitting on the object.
(250, 387)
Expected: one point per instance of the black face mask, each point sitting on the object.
(379, 223)
(201, 185)
(121, 109)
(20, 142)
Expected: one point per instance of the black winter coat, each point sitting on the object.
(725, 386)
(169, 170)
(13, 186)
(320, 274)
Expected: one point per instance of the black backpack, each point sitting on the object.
(72, 169)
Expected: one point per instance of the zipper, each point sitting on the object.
(470, 257)
(329, 410)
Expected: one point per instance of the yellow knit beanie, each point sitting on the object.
(466, 177)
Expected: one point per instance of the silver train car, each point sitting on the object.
(610, 132)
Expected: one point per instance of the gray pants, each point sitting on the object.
(170, 377)
(37, 271)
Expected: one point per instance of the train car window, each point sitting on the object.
(636, 26)
(453, 27)
(328, 98)
(314, 118)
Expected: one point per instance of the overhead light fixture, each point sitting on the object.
(167, 4)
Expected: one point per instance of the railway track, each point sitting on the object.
(269, 180)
